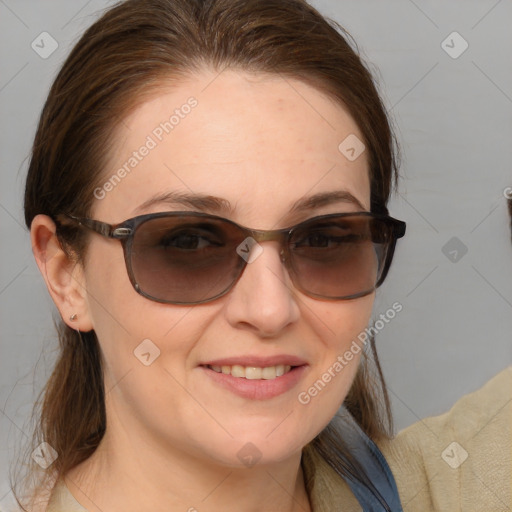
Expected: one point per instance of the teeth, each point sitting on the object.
(238, 371)
(269, 372)
(253, 372)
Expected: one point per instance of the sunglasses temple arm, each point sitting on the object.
(102, 228)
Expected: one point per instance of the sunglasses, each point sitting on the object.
(192, 258)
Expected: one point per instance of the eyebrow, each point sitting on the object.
(218, 205)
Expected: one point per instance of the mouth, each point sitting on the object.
(256, 378)
(252, 372)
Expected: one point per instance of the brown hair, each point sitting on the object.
(118, 62)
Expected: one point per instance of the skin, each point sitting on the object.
(262, 143)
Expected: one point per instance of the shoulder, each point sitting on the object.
(62, 500)
(460, 459)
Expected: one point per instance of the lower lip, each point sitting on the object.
(257, 389)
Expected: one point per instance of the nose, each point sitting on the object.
(263, 300)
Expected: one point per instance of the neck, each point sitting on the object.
(119, 477)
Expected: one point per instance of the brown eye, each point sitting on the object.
(188, 240)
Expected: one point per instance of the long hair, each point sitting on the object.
(118, 63)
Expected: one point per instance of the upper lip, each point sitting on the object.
(257, 361)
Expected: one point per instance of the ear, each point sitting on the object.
(62, 273)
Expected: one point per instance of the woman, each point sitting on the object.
(207, 203)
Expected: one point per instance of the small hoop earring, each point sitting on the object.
(73, 317)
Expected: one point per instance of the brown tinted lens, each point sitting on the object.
(185, 259)
(339, 257)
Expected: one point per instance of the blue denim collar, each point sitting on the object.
(376, 489)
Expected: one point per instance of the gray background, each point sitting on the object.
(453, 117)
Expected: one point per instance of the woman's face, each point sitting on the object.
(260, 143)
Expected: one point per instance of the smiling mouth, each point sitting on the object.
(253, 372)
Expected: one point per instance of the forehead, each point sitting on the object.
(261, 142)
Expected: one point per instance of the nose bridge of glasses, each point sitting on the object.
(273, 235)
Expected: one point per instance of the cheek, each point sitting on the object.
(130, 326)
(340, 327)
(109, 290)
(118, 313)
(339, 323)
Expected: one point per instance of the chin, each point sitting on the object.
(263, 446)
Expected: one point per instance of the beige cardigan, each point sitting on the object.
(459, 461)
